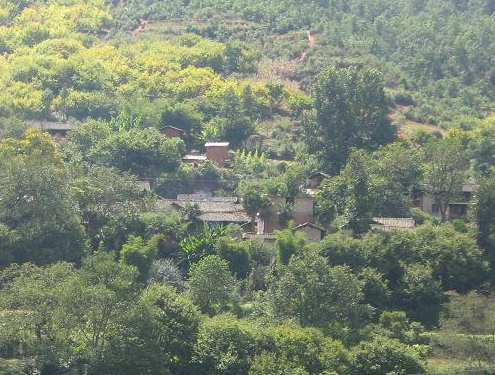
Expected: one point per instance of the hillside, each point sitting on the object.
(234, 187)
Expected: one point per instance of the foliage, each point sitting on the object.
(236, 254)
(385, 356)
(265, 364)
(196, 247)
(145, 153)
(288, 243)
(444, 172)
(315, 293)
(467, 329)
(211, 285)
(37, 215)
(135, 252)
(350, 111)
(225, 346)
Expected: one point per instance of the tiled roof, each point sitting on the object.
(269, 237)
(173, 127)
(51, 125)
(310, 225)
(218, 209)
(392, 223)
(227, 217)
(194, 157)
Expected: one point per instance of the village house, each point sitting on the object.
(316, 179)
(456, 210)
(216, 152)
(302, 212)
(313, 232)
(172, 132)
(391, 223)
(213, 210)
(302, 216)
(55, 129)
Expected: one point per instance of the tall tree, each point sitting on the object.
(36, 212)
(445, 172)
(350, 111)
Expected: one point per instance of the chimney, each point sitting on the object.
(217, 152)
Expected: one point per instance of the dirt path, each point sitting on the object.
(140, 28)
(311, 43)
(311, 39)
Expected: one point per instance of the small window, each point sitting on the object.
(289, 200)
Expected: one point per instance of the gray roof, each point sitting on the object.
(386, 223)
(173, 127)
(213, 209)
(269, 237)
(322, 174)
(51, 125)
(194, 157)
(216, 144)
(312, 226)
(225, 217)
(204, 198)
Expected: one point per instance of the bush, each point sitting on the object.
(211, 285)
(385, 356)
(225, 346)
(269, 364)
(236, 254)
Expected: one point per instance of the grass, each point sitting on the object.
(408, 128)
(12, 367)
(445, 365)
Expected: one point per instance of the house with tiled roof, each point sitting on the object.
(390, 223)
(213, 210)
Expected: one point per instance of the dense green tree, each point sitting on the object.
(36, 211)
(350, 195)
(269, 364)
(375, 289)
(146, 153)
(135, 252)
(466, 329)
(445, 172)
(109, 203)
(255, 201)
(236, 253)
(350, 111)
(482, 211)
(211, 285)
(157, 335)
(225, 346)
(289, 242)
(385, 356)
(28, 299)
(307, 348)
(315, 293)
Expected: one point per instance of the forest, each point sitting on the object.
(238, 187)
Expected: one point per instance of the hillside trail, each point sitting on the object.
(311, 43)
(140, 28)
